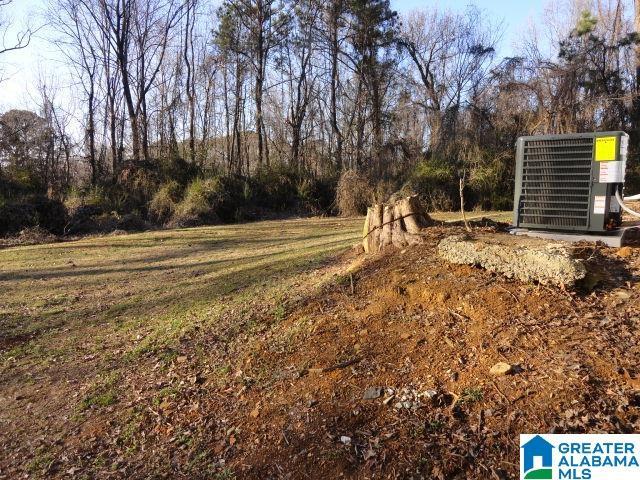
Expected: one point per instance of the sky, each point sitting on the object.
(515, 15)
(22, 69)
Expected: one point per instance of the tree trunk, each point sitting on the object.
(144, 129)
(367, 230)
(335, 51)
(398, 229)
(91, 134)
(376, 119)
(133, 116)
(259, 86)
(636, 98)
(376, 234)
(190, 82)
(400, 225)
(113, 134)
(259, 129)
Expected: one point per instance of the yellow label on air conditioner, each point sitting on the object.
(605, 149)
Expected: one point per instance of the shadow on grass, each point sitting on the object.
(203, 246)
(167, 304)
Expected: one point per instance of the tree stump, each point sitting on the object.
(399, 224)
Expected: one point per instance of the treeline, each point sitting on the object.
(192, 113)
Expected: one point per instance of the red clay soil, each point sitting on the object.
(420, 333)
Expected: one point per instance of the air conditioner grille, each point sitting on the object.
(556, 178)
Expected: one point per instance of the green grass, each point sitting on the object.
(77, 317)
(80, 320)
(99, 400)
(41, 462)
(102, 394)
(147, 289)
(502, 216)
(471, 395)
(225, 474)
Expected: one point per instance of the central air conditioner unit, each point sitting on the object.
(569, 182)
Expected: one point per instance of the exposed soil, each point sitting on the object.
(284, 399)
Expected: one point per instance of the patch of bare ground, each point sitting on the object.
(382, 373)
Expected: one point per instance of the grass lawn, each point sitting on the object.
(153, 285)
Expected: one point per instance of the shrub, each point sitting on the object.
(17, 216)
(383, 191)
(208, 201)
(184, 221)
(84, 219)
(436, 183)
(36, 211)
(274, 188)
(135, 187)
(131, 222)
(315, 195)
(439, 201)
(200, 200)
(178, 170)
(95, 196)
(105, 223)
(52, 214)
(491, 185)
(164, 202)
(353, 194)
(632, 179)
(19, 182)
(34, 236)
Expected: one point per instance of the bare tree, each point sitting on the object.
(19, 39)
(298, 51)
(262, 26)
(451, 53)
(82, 49)
(334, 14)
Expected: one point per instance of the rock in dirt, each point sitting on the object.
(526, 259)
(622, 294)
(372, 393)
(388, 399)
(624, 252)
(429, 393)
(501, 368)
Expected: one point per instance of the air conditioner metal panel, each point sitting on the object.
(558, 184)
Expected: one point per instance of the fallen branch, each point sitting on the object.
(337, 366)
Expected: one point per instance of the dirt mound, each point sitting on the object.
(423, 336)
(385, 373)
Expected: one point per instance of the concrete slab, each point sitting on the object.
(527, 259)
(618, 238)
